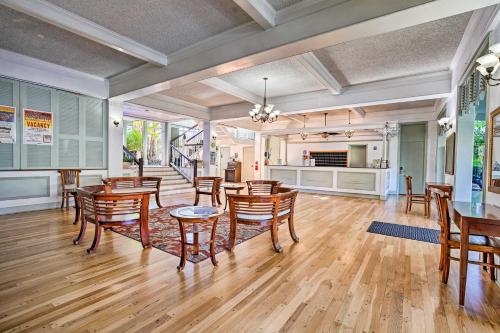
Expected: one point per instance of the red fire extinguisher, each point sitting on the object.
(256, 165)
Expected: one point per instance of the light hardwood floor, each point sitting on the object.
(338, 278)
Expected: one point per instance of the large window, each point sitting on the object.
(53, 128)
(145, 139)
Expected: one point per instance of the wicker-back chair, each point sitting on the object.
(106, 210)
(134, 182)
(70, 181)
(262, 187)
(208, 186)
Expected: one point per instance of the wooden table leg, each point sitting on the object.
(464, 258)
(196, 239)
(225, 196)
(212, 241)
(182, 263)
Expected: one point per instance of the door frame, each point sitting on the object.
(426, 129)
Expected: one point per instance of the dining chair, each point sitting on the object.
(106, 210)
(70, 181)
(264, 210)
(208, 186)
(262, 187)
(414, 198)
(451, 240)
(134, 182)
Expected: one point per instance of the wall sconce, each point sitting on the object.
(116, 123)
(489, 64)
(445, 124)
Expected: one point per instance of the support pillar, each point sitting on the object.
(115, 139)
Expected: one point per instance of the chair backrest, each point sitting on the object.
(263, 187)
(133, 182)
(70, 177)
(255, 207)
(213, 183)
(443, 214)
(97, 203)
(287, 199)
(409, 189)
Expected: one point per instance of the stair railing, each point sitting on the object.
(179, 160)
(138, 161)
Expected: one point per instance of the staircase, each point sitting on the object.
(185, 153)
(172, 181)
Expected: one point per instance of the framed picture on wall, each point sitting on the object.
(449, 168)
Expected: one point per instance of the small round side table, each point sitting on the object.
(231, 187)
(196, 215)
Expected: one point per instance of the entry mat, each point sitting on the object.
(405, 231)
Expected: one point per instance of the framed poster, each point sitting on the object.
(450, 155)
(7, 124)
(38, 127)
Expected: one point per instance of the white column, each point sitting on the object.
(166, 145)
(115, 139)
(393, 153)
(431, 150)
(207, 137)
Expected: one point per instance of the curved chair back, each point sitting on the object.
(208, 184)
(287, 200)
(70, 177)
(132, 182)
(253, 208)
(263, 187)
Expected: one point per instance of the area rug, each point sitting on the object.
(164, 233)
(405, 231)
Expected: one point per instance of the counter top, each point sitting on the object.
(320, 166)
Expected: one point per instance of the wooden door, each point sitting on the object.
(247, 172)
(412, 157)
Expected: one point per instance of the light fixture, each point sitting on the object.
(349, 132)
(445, 124)
(264, 112)
(116, 122)
(489, 64)
(303, 134)
(325, 134)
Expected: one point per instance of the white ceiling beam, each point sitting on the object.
(303, 8)
(260, 11)
(66, 20)
(414, 88)
(344, 22)
(26, 68)
(173, 105)
(230, 89)
(314, 66)
(359, 110)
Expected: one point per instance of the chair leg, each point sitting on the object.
(62, 201)
(214, 203)
(291, 228)
(197, 199)
(217, 196)
(67, 201)
(446, 265)
(492, 269)
(485, 260)
(232, 236)
(274, 237)
(158, 203)
(411, 201)
(77, 209)
(97, 239)
(441, 257)
(407, 204)
(83, 227)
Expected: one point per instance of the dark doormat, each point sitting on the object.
(405, 231)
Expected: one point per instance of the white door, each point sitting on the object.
(247, 172)
(224, 158)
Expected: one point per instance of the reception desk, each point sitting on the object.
(362, 182)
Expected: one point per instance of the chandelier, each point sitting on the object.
(489, 64)
(264, 112)
(349, 132)
(303, 134)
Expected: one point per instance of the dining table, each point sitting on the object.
(477, 219)
(445, 187)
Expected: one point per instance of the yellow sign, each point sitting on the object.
(37, 127)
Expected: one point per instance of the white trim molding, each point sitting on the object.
(314, 66)
(230, 89)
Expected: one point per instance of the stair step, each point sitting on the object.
(173, 182)
(170, 189)
(162, 168)
(161, 173)
(169, 177)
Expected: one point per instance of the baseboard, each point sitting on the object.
(29, 208)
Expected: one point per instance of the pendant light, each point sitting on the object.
(303, 134)
(349, 132)
(264, 112)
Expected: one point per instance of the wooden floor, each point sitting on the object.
(338, 278)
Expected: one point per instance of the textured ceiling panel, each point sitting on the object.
(29, 36)
(286, 77)
(165, 25)
(280, 4)
(423, 48)
(201, 94)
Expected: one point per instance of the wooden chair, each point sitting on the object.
(262, 210)
(106, 210)
(414, 198)
(451, 240)
(208, 186)
(262, 187)
(134, 182)
(70, 181)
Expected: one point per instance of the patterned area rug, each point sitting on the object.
(405, 231)
(164, 233)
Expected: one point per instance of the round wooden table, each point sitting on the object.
(196, 215)
(231, 187)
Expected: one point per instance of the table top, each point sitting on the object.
(196, 212)
(233, 186)
(477, 211)
(437, 184)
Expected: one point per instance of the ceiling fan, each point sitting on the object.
(326, 134)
